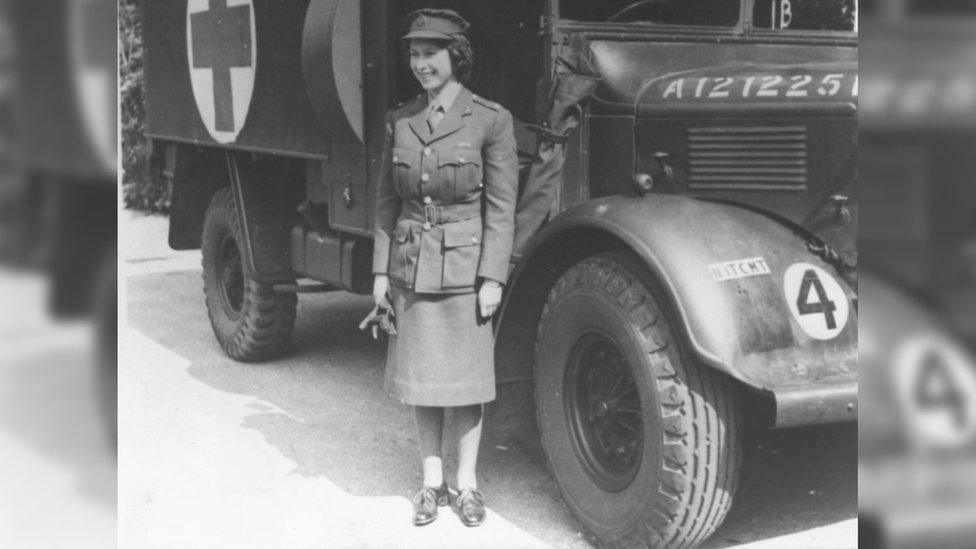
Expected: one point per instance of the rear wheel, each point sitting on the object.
(105, 314)
(641, 439)
(251, 321)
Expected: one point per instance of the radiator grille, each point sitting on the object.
(747, 158)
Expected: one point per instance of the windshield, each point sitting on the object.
(917, 7)
(805, 15)
(779, 15)
(711, 13)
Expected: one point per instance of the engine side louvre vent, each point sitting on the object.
(747, 158)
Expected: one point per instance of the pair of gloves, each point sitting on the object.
(380, 318)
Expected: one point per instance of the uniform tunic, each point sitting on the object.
(444, 221)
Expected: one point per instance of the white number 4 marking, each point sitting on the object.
(817, 301)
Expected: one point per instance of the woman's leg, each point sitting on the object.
(467, 423)
(430, 426)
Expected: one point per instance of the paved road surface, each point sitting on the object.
(306, 451)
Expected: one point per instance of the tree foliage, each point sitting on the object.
(138, 188)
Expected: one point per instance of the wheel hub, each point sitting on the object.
(602, 409)
(230, 276)
(605, 413)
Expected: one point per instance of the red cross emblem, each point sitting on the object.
(222, 51)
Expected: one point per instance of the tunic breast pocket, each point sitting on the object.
(403, 167)
(461, 169)
(462, 252)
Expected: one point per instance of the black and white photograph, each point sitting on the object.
(480, 274)
(488, 273)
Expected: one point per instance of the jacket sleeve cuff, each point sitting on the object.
(489, 279)
(499, 275)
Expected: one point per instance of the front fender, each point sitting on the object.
(731, 275)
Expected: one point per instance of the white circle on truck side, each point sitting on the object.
(221, 47)
(816, 299)
(93, 44)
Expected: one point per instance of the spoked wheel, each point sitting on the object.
(605, 412)
(251, 321)
(642, 440)
(230, 279)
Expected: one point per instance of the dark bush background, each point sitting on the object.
(138, 189)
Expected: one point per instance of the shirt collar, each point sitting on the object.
(447, 96)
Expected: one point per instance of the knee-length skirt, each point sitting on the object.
(443, 353)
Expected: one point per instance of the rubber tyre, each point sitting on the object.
(105, 312)
(252, 322)
(683, 479)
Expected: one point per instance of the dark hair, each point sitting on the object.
(458, 48)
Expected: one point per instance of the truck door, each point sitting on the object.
(332, 59)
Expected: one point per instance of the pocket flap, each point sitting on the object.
(462, 233)
(402, 156)
(459, 157)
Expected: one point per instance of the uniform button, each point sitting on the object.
(425, 177)
(481, 185)
(474, 239)
(461, 159)
(427, 200)
(396, 158)
(427, 151)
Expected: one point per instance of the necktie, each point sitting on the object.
(435, 115)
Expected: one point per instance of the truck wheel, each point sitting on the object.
(105, 312)
(643, 442)
(252, 322)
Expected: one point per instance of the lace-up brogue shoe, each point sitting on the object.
(470, 506)
(426, 502)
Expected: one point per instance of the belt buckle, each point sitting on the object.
(430, 216)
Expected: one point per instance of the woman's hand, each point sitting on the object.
(489, 297)
(381, 285)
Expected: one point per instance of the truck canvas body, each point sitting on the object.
(59, 199)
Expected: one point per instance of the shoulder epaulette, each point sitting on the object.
(485, 103)
(406, 105)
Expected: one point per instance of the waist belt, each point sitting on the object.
(431, 214)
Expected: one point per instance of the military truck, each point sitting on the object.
(693, 163)
(59, 194)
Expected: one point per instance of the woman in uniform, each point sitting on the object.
(443, 237)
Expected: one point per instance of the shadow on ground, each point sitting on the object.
(793, 480)
(323, 408)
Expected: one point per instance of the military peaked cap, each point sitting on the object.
(437, 28)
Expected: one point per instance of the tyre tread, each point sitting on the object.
(700, 475)
(267, 318)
